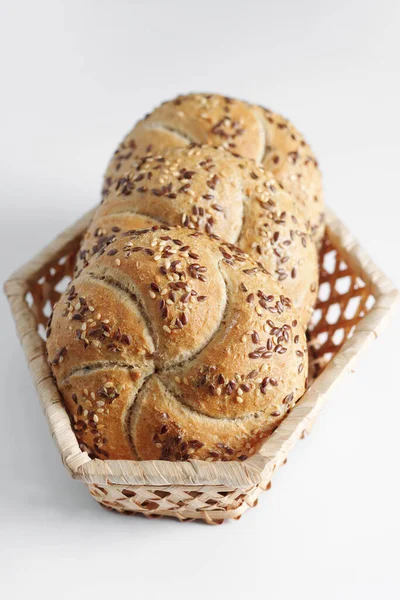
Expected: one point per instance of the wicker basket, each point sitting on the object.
(355, 300)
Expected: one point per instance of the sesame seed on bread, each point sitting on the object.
(174, 344)
(208, 189)
(241, 128)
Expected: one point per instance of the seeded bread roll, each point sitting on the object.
(172, 344)
(210, 190)
(250, 131)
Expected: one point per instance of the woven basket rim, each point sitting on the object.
(251, 472)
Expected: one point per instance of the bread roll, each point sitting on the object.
(250, 131)
(210, 190)
(171, 344)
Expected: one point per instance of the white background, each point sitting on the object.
(75, 76)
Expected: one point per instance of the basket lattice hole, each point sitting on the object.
(333, 314)
(342, 266)
(62, 284)
(194, 494)
(42, 331)
(359, 283)
(338, 337)
(150, 505)
(316, 317)
(329, 263)
(161, 493)
(128, 493)
(343, 284)
(369, 303)
(324, 291)
(352, 307)
(29, 299)
(322, 338)
(47, 309)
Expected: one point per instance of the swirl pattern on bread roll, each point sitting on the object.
(210, 190)
(171, 344)
(241, 128)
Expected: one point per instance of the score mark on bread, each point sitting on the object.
(210, 190)
(242, 129)
(171, 344)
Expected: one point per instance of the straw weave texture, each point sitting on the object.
(355, 301)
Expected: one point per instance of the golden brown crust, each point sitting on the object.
(103, 229)
(99, 402)
(164, 428)
(97, 323)
(251, 360)
(210, 190)
(291, 160)
(218, 330)
(241, 128)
